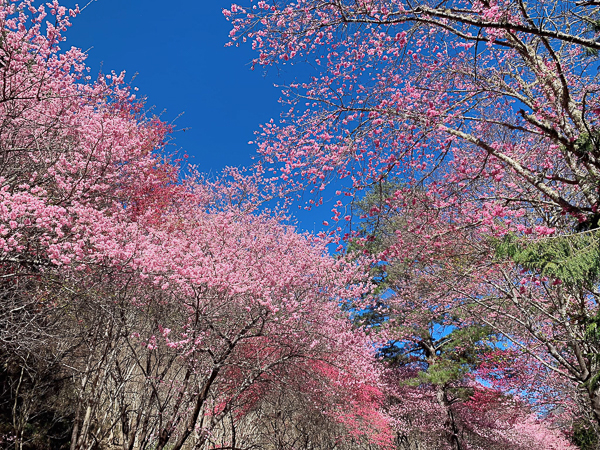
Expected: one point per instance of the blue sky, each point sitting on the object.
(177, 49)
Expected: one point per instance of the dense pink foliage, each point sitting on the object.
(485, 117)
(487, 419)
(213, 302)
(88, 194)
(77, 155)
(387, 98)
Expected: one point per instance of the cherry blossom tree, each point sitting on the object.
(77, 156)
(487, 114)
(503, 89)
(79, 160)
(170, 303)
(254, 303)
(214, 309)
(484, 418)
(446, 306)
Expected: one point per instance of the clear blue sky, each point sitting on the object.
(177, 50)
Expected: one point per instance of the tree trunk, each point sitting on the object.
(450, 425)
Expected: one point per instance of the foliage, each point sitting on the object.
(584, 436)
(573, 259)
(159, 306)
(168, 311)
(487, 113)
